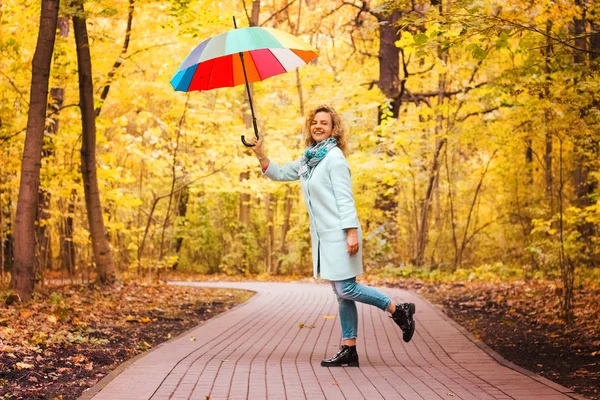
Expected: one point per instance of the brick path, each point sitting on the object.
(259, 351)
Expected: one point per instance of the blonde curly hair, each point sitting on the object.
(339, 131)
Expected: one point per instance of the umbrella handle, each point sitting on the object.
(253, 124)
(246, 143)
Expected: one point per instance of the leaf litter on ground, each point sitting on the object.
(69, 337)
(522, 321)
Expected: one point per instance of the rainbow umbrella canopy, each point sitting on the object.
(241, 56)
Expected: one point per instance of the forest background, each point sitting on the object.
(474, 132)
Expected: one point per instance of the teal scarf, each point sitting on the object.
(314, 154)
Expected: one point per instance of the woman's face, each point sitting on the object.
(321, 126)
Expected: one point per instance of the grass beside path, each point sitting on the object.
(69, 337)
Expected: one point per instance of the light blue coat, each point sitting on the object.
(330, 204)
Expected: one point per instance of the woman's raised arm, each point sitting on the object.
(286, 172)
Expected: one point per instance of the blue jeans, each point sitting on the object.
(348, 293)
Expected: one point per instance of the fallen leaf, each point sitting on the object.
(22, 365)
(144, 320)
(79, 359)
(328, 316)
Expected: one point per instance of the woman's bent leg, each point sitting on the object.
(350, 290)
(403, 314)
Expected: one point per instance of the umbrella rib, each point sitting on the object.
(260, 78)
(277, 59)
(212, 68)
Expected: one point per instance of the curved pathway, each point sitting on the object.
(271, 346)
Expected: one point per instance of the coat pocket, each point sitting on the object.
(333, 235)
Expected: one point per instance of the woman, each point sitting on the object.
(324, 176)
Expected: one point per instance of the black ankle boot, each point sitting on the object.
(346, 356)
(403, 317)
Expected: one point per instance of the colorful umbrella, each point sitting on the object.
(241, 56)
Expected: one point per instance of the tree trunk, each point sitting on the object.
(547, 124)
(43, 232)
(101, 249)
(289, 203)
(23, 276)
(67, 246)
(173, 178)
(181, 212)
(443, 56)
(423, 233)
(524, 214)
(586, 150)
(594, 41)
(529, 161)
(389, 60)
(2, 254)
(466, 238)
(583, 188)
(270, 206)
(8, 239)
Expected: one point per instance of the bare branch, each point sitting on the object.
(120, 58)
(482, 227)
(21, 95)
(278, 12)
(477, 190)
(148, 48)
(424, 71)
(450, 93)
(489, 110)
(12, 135)
(246, 11)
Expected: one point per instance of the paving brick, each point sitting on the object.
(260, 350)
